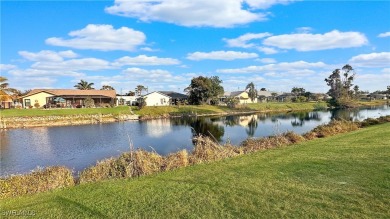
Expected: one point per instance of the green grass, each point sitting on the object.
(344, 176)
(64, 112)
(207, 109)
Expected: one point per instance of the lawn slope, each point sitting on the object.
(344, 176)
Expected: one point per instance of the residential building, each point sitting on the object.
(242, 96)
(69, 98)
(175, 97)
(156, 99)
(6, 101)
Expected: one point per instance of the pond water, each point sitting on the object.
(78, 147)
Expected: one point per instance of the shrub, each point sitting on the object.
(130, 164)
(38, 181)
(176, 160)
(333, 128)
(206, 150)
(89, 102)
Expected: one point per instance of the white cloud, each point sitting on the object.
(48, 55)
(145, 61)
(221, 55)
(371, 60)
(387, 34)
(304, 29)
(267, 50)
(292, 67)
(386, 70)
(215, 13)
(6, 67)
(267, 60)
(101, 37)
(43, 73)
(311, 42)
(243, 40)
(148, 49)
(89, 64)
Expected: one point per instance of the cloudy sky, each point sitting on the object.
(162, 44)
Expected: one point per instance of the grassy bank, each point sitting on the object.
(345, 175)
(167, 111)
(64, 112)
(150, 112)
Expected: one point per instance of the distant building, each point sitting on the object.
(69, 98)
(175, 97)
(156, 99)
(126, 100)
(6, 101)
(242, 96)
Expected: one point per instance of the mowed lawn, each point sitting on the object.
(345, 176)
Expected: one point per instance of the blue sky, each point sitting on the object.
(163, 44)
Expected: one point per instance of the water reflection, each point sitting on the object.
(80, 146)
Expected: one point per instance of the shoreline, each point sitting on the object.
(150, 113)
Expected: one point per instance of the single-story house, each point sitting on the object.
(378, 96)
(175, 97)
(69, 98)
(6, 101)
(242, 96)
(265, 96)
(285, 97)
(126, 100)
(156, 99)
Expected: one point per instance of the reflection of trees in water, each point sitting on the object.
(345, 114)
(252, 126)
(300, 118)
(202, 126)
(4, 141)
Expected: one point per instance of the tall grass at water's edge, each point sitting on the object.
(140, 162)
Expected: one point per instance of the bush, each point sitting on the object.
(206, 150)
(89, 102)
(38, 181)
(131, 164)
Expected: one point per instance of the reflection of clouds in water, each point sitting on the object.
(158, 128)
(39, 140)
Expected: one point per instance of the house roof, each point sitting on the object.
(155, 92)
(233, 94)
(174, 95)
(73, 92)
(264, 93)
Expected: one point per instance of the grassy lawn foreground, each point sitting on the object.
(342, 176)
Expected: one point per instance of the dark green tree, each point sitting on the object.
(204, 90)
(84, 85)
(107, 87)
(340, 83)
(252, 92)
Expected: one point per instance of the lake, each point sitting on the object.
(78, 147)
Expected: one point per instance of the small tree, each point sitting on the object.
(252, 92)
(89, 102)
(232, 102)
(340, 82)
(107, 87)
(141, 102)
(139, 89)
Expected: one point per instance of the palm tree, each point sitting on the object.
(252, 91)
(84, 85)
(4, 85)
(139, 89)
